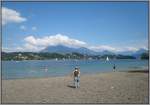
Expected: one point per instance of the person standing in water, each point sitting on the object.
(76, 74)
(114, 68)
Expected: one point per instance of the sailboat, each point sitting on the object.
(107, 59)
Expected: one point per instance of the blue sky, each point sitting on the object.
(114, 26)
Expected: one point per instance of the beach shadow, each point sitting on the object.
(70, 86)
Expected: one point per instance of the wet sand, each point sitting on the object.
(112, 87)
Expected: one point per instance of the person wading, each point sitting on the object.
(114, 68)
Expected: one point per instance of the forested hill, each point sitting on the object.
(46, 55)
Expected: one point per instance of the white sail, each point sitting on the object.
(107, 59)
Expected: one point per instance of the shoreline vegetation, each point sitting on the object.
(109, 87)
(18, 56)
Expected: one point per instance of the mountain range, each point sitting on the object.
(65, 49)
(82, 50)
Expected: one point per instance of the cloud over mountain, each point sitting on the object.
(35, 44)
(11, 16)
(53, 40)
(102, 48)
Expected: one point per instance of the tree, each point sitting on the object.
(144, 56)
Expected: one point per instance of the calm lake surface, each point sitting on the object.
(48, 68)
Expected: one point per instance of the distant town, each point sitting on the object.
(59, 56)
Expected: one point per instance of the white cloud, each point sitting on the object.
(34, 28)
(5, 49)
(8, 49)
(133, 49)
(144, 47)
(102, 48)
(37, 44)
(11, 16)
(54, 40)
(23, 27)
(30, 47)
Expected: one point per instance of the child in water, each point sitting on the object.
(114, 67)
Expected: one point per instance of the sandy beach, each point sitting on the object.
(112, 87)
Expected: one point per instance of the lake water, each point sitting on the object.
(48, 68)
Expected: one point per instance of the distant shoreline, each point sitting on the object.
(68, 59)
(68, 55)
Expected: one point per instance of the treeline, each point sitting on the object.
(145, 55)
(45, 56)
